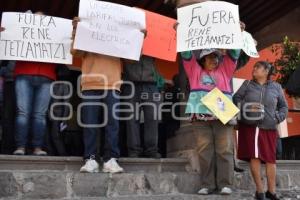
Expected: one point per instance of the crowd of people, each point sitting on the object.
(262, 101)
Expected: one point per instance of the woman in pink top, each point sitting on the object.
(207, 69)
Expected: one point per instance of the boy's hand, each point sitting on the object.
(75, 21)
(175, 26)
(242, 25)
(144, 31)
(169, 82)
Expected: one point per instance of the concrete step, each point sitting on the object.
(28, 177)
(35, 177)
(10, 162)
(237, 195)
(60, 185)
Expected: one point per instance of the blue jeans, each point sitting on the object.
(94, 115)
(32, 99)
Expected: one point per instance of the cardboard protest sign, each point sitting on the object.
(249, 46)
(237, 83)
(211, 24)
(282, 129)
(220, 105)
(110, 29)
(31, 37)
(161, 37)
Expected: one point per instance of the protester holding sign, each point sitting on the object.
(100, 84)
(110, 29)
(207, 69)
(210, 24)
(263, 107)
(32, 87)
(32, 37)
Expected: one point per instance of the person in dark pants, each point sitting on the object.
(144, 95)
(169, 125)
(9, 108)
(58, 111)
(100, 86)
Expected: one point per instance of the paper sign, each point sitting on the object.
(110, 29)
(220, 105)
(237, 83)
(282, 129)
(211, 24)
(31, 37)
(249, 46)
(161, 37)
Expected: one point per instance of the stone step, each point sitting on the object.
(288, 176)
(237, 195)
(10, 162)
(28, 184)
(59, 185)
(30, 177)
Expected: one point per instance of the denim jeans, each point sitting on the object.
(93, 114)
(146, 98)
(32, 99)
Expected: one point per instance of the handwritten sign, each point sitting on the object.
(237, 83)
(212, 24)
(282, 129)
(31, 37)
(249, 46)
(161, 37)
(220, 105)
(110, 29)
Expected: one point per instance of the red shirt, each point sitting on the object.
(35, 69)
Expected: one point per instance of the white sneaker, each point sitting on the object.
(203, 191)
(226, 191)
(19, 152)
(91, 166)
(112, 166)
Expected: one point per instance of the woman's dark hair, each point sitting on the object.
(269, 67)
(201, 61)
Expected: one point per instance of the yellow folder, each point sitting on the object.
(220, 105)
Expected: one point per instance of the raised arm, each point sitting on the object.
(190, 63)
(75, 52)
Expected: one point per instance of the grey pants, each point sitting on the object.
(215, 150)
(142, 97)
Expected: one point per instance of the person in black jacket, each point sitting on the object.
(293, 84)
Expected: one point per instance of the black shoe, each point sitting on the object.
(260, 196)
(271, 196)
(237, 169)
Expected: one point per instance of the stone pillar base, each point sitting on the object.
(184, 144)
